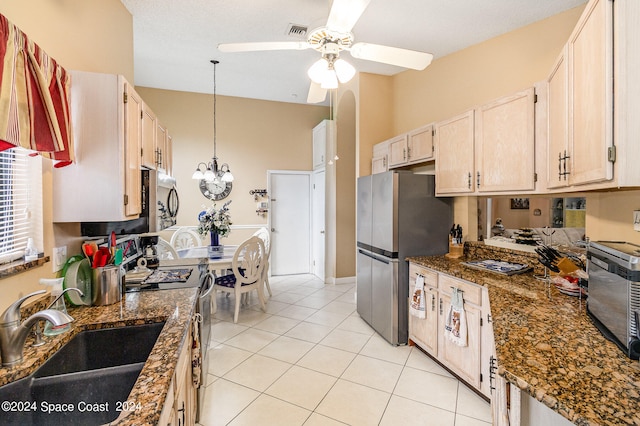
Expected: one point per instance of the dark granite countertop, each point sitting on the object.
(548, 347)
(174, 307)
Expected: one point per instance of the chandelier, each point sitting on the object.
(211, 172)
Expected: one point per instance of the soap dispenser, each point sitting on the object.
(55, 286)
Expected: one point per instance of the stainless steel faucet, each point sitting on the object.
(38, 340)
(13, 334)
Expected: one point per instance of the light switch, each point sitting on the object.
(636, 220)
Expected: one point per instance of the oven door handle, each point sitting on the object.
(209, 279)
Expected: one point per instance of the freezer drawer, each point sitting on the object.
(377, 290)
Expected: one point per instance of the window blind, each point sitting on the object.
(20, 203)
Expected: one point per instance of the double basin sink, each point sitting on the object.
(86, 382)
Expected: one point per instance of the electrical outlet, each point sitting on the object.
(59, 257)
(636, 220)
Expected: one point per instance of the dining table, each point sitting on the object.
(201, 254)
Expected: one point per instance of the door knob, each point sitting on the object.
(273, 229)
(322, 232)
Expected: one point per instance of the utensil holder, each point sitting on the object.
(455, 250)
(106, 285)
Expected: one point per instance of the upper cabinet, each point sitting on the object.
(164, 149)
(149, 135)
(488, 150)
(104, 184)
(380, 162)
(505, 144)
(321, 134)
(593, 102)
(454, 154)
(410, 148)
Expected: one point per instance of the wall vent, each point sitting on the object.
(298, 31)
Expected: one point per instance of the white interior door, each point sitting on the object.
(290, 221)
(317, 227)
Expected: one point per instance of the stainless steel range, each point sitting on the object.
(614, 293)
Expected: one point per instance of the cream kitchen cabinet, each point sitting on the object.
(379, 162)
(105, 182)
(505, 144)
(321, 142)
(454, 142)
(180, 405)
(397, 151)
(164, 149)
(594, 101)
(149, 137)
(424, 331)
(472, 362)
(413, 147)
(488, 150)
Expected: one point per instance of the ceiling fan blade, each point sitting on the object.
(316, 94)
(263, 45)
(391, 55)
(345, 13)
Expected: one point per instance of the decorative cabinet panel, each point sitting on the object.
(105, 183)
(424, 331)
(420, 144)
(454, 141)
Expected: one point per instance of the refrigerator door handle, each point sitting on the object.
(374, 257)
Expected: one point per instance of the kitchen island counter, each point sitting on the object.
(174, 307)
(547, 346)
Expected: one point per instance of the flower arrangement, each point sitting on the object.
(215, 221)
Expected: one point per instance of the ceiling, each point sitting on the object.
(175, 40)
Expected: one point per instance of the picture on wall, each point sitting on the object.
(520, 204)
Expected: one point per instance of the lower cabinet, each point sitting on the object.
(471, 363)
(180, 406)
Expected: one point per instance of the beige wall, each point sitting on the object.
(480, 73)
(457, 82)
(83, 35)
(253, 136)
(610, 216)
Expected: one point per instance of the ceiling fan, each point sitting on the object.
(332, 39)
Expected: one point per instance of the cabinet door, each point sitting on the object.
(454, 142)
(132, 142)
(558, 130)
(505, 144)
(320, 133)
(424, 332)
(464, 360)
(168, 154)
(161, 147)
(591, 94)
(379, 164)
(398, 154)
(149, 141)
(421, 144)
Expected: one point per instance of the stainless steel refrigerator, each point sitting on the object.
(397, 216)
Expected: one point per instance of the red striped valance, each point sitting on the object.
(34, 98)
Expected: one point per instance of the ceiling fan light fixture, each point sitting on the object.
(318, 70)
(344, 70)
(330, 80)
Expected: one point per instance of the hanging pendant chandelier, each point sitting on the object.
(215, 180)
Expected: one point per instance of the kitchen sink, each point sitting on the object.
(86, 382)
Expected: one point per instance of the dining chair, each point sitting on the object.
(185, 238)
(165, 250)
(265, 236)
(247, 265)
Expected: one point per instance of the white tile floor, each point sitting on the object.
(310, 360)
